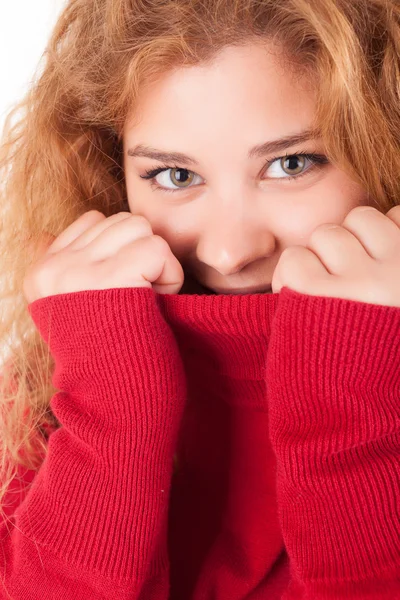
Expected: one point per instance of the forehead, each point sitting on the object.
(245, 90)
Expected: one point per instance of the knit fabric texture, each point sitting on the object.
(240, 447)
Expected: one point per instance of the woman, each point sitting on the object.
(149, 286)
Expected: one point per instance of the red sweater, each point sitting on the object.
(283, 412)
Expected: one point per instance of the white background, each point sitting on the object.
(25, 27)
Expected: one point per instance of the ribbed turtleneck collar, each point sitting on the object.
(228, 332)
(236, 315)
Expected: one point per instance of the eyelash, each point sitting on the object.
(316, 159)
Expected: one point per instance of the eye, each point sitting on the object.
(293, 165)
(178, 177)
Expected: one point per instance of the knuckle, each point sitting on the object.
(292, 254)
(286, 252)
(94, 217)
(92, 213)
(116, 216)
(394, 212)
(363, 208)
(320, 231)
(142, 221)
(91, 217)
(160, 243)
(314, 235)
(359, 210)
(287, 255)
(357, 214)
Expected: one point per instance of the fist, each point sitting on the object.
(96, 253)
(357, 260)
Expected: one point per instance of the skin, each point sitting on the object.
(232, 216)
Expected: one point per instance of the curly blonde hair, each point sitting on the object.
(61, 147)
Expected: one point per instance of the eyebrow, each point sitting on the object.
(256, 152)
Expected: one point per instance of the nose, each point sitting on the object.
(229, 243)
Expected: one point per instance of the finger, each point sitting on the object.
(297, 268)
(394, 215)
(337, 248)
(93, 232)
(378, 234)
(159, 266)
(119, 234)
(84, 222)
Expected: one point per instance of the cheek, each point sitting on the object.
(328, 202)
(173, 223)
(143, 201)
(169, 224)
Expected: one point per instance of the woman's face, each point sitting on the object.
(231, 203)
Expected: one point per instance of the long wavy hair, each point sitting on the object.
(61, 149)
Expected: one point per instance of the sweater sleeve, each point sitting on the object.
(94, 522)
(333, 380)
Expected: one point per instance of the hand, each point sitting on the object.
(358, 260)
(97, 252)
